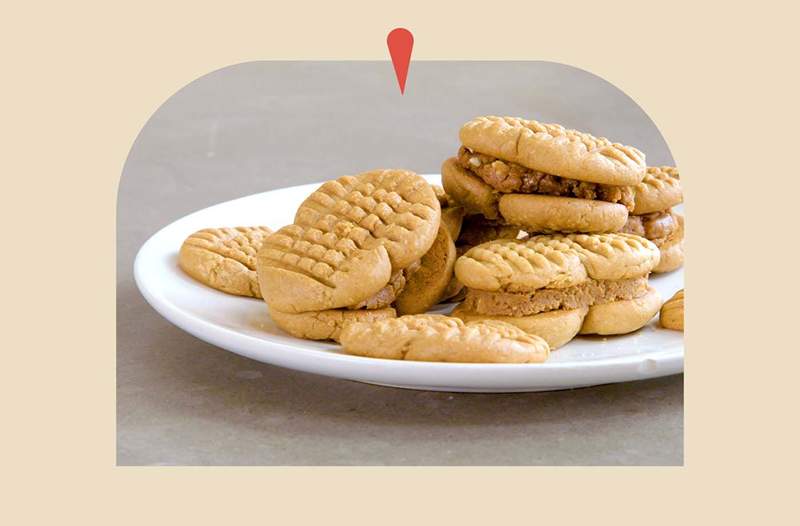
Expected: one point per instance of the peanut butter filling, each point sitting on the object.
(657, 226)
(503, 303)
(508, 177)
(386, 296)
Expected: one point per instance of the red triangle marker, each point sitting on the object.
(400, 42)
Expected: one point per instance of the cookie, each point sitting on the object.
(427, 284)
(546, 213)
(505, 177)
(469, 191)
(621, 317)
(532, 212)
(558, 285)
(672, 312)
(553, 149)
(672, 258)
(348, 238)
(555, 261)
(397, 209)
(437, 338)
(519, 265)
(608, 256)
(304, 269)
(556, 327)
(671, 250)
(326, 324)
(659, 190)
(224, 258)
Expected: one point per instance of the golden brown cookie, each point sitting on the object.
(426, 285)
(326, 324)
(475, 196)
(672, 312)
(672, 258)
(671, 250)
(539, 280)
(437, 338)
(659, 190)
(519, 265)
(224, 258)
(608, 256)
(621, 317)
(555, 261)
(397, 209)
(348, 238)
(556, 327)
(547, 213)
(304, 269)
(553, 149)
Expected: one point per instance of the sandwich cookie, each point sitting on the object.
(543, 177)
(224, 258)
(560, 285)
(353, 245)
(653, 217)
(437, 338)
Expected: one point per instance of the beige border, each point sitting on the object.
(80, 80)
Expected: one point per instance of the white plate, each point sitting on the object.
(242, 325)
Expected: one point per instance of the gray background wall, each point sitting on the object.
(264, 125)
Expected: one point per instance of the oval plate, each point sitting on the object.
(242, 325)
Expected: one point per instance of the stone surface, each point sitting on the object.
(260, 126)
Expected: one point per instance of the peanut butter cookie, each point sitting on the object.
(225, 258)
(437, 338)
(672, 312)
(594, 283)
(348, 238)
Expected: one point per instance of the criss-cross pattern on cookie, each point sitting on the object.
(660, 177)
(515, 128)
(393, 208)
(239, 243)
(555, 261)
(315, 253)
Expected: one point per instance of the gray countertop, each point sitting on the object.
(266, 125)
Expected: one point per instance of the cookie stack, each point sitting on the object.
(558, 286)
(571, 192)
(653, 217)
(349, 254)
(543, 177)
